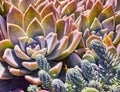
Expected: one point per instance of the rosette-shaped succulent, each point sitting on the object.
(31, 33)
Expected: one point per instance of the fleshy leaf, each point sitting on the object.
(95, 26)
(15, 32)
(4, 44)
(117, 18)
(59, 49)
(74, 39)
(95, 11)
(51, 41)
(106, 13)
(15, 16)
(69, 8)
(20, 54)
(24, 4)
(18, 72)
(9, 58)
(6, 6)
(49, 24)
(48, 9)
(41, 40)
(60, 28)
(34, 28)
(30, 65)
(29, 15)
(108, 41)
(109, 24)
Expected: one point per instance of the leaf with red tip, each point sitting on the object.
(15, 32)
(69, 8)
(49, 24)
(106, 13)
(34, 29)
(95, 11)
(29, 15)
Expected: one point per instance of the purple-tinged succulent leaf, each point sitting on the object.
(49, 8)
(51, 40)
(20, 54)
(69, 8)
(15, 32)
(34, 28)
(41, 40)
(118, 49)
(18, 72)
(29, 15)
(4, 44)
(96, 25)
(109, 24)
(14, 16)
(95, 11)
(30, 65)
(74, 39)
(24, 4)
(106, 13)
(49, 24)
(62, 45)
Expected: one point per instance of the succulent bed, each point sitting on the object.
(59, 45)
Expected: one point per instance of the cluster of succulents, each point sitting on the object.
(102, 75)
(61, 45)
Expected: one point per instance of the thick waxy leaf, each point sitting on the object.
(49, 24)
(74, 39)
(41, 41)
(15, 32)
(92, 37)
(29, 15)
(33, 80)
(59, 49)
(3, 27)
(15, 16)
(36, 53)
(30, 65)
(20, 54)
(23, 42)
(34, 28)
(9, 58)
(51, 41)
(83, 23)
(56, 69)
(108, 41)
(109, 24)
(117, 18)
(60, 28)
(24, 4)
(95, 11)
(48, 9)
(95, 26)
(6, 6)
(106, 13)
(4, 44)
(18, 72)
(118, 49)
(69, 8)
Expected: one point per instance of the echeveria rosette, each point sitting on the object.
(29, 36)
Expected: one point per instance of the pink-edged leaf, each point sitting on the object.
(95, 26)
(6, 6)
(24, 4)
(74, 39)
(15, 16)
(69, 8)
(117, 18)
(109, 24)
(29, 15)
(60, 28)
(106, 13)
(14, 2)
(41, 40)
(49, 8)
(4, 44)
(49, 24)
(30, 65)
(34, 29)
(59, 49)
(95, 11)
(51, 41)
(18, 72)
(15, 32)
